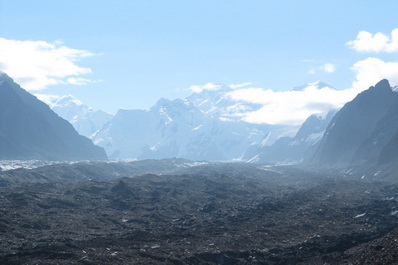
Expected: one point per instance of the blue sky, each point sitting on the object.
(144, 50)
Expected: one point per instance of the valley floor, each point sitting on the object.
(201, 214)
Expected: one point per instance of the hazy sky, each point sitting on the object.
(113, 54)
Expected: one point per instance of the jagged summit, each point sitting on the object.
(6, 78)
(162, 102)
(175, 105)
(358, 132)
(382, 85)
(3, 74)
(85, 119)
(66, 100)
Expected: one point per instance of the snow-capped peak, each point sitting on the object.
(5, 77)
(173, 104)
(85, 119)
(67, 100)
(2, 74)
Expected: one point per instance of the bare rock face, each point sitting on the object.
(389, 152)
(359, 131)
(29, 129)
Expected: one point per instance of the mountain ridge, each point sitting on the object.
(84, 119)
(31, 130)
(353, 126)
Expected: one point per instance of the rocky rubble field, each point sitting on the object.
(206, 214)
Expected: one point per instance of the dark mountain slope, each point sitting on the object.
(381, 139)
(356, 126)
(390, 152)
(29, 129)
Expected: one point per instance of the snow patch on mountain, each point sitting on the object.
(84, 119)
(207, 125)
(176, 128)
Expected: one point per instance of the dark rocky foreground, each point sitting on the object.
(208, 214)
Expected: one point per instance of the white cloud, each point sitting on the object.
(36, 65)
(215, 87)
(327, 68)
(291, 107)
(80, 81)
(379, 42)
(372, 70)
(234, 86)
(48, 99)
(208, 86)
(294, 106)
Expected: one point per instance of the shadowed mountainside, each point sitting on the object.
(29, 129)
(360, 130)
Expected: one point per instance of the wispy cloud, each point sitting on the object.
(39, 64)
(293, 107)
(235, 86)
(80, 81)
(326, 68)
(48, 99)
(215, 87)
(208, 86)
(379, 42)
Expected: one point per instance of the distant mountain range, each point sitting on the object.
(195, 128)
(205, 126)
(29, 129)
(176, 128)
